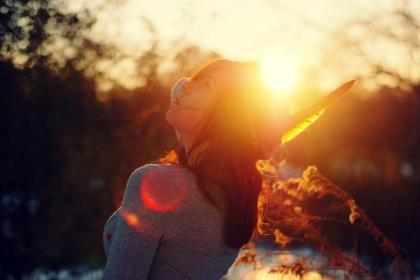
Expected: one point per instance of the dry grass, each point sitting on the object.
(286, 216)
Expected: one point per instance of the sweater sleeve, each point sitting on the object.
(137, 233)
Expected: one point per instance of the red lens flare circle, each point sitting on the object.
(160, 194)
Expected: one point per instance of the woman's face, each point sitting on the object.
(192, 101)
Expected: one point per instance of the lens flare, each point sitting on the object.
(162, 195)
(132, 220)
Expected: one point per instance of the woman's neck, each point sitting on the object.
(191, 154)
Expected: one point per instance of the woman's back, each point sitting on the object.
(165, 229)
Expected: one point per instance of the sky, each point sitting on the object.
(301, 30)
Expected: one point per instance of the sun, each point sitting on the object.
(280, 73)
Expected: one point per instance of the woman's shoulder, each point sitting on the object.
(168, 194)
(160, 187)
(160, 171)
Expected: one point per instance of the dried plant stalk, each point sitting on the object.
(285, 217)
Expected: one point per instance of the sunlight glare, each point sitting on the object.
(280, 72)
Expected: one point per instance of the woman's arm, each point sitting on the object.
(136, 237)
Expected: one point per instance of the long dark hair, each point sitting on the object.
(225, 170)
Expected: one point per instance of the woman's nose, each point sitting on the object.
(186, 86)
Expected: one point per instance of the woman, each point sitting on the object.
(187, 216)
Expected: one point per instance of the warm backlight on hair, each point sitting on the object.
(280, 73)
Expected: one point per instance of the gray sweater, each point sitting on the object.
(165, 229)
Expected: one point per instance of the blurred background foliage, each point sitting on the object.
(68, 146)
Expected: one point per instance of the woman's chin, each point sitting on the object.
(169, 116)
(181, 120)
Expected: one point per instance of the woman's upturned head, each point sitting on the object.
(223, 101)
(192, 97)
